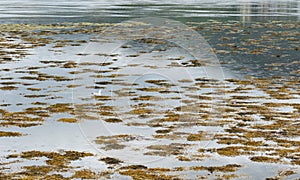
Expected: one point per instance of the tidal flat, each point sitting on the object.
(89, 101)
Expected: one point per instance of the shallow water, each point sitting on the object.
(246, 12)
(154, 97)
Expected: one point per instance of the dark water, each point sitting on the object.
(38, 11)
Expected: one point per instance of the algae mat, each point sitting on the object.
(133, 101)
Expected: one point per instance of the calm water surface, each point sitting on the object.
(37, 11)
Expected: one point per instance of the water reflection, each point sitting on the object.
(37, 11)
(269, 10)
